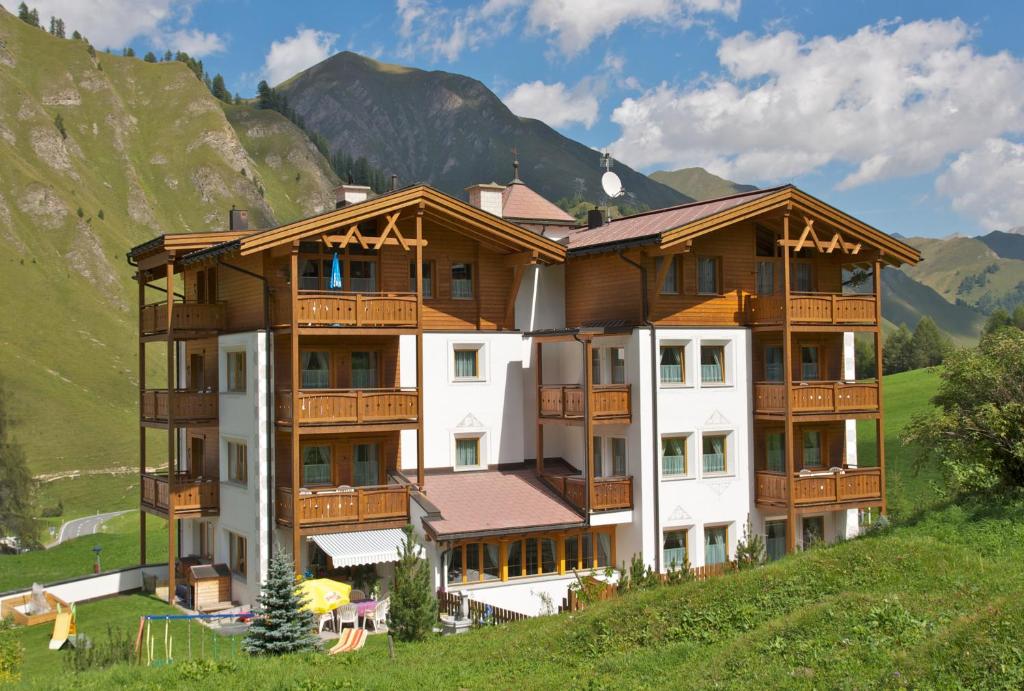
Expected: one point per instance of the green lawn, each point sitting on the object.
(120, 542)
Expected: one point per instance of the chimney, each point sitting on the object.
(350, 194)
(394, 182)
(487, 196)
(595, 219)
(238, 219)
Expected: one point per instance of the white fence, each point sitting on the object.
(95, 586)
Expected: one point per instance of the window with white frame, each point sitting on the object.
(238, 554)
(716, 544)
(238, 462)
(466, 362)
(316, 465)
(467, 452)
(712, 364)
(715, 453)
(673, 456)
(618, 445)
(672, 367)
(236, 371)
(673, 549)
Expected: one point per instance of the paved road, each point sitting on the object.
(84, 526)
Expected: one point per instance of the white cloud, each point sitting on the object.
(892, 99)
(553, 103)
(115, 23)
(296, 53)
(571, 25)
(987, 184)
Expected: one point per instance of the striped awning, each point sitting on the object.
(362, 547)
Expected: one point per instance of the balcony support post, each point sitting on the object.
(142, 428)
(294, 361)
(787, 366)
(588, 419)
(420, 474)
(879, 425)
(538, 365)
(172, 547)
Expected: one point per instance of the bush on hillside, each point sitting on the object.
(750, 549)
(977, 432)
(12, 653)
(926, 346)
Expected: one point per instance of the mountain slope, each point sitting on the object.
(448, 130)
(147, 150)
(699, 183)
(905, 301)
(1005, 245)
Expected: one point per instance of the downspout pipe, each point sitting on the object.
(586, 442)
(269, 396)
(655, 441)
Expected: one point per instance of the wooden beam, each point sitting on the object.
(513, 293)
(880, 422)
(341, 241)
(392, 227)
(172, 548)
(142, 428)
(787, 366)
(588, 419)
(294, 434)
(659, 280)
(523, 258)
(539, 368)
(420, 445)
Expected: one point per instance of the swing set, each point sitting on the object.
(145, 642)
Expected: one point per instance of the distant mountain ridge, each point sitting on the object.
(448, 130)
(699, 183)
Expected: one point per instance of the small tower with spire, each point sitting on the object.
(515, 166)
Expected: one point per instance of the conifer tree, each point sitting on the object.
(150, 57)
(413, 608)
(219, 90)
(168, 56)
(129, 52)
(23, 13)
(57, 27)
(76, 35)
(280, 625)
(750, 551)
(17, 488)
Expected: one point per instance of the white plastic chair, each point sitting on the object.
(348, 614)
(379, 616)
(324, 620)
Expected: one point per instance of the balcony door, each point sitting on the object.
(316, 372)
(775, 539)
(366, 465)
(364, 370)
(773, 369)
(810, 368)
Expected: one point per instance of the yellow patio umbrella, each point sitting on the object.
(323, 595)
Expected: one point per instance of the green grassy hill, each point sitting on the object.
(146, 150)
(905, 300)
(699, 183)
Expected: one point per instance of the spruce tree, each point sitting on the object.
(896, 353)
(413, 609)
(219, 90)
(23, 13)
(150, 57)
(280, 625)
(17, 488)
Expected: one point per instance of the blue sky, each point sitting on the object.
(907, 114)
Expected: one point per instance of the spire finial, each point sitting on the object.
(515, 165)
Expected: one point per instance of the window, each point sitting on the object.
(598, 457)
(773, 369)
(673, 456)
(236, 371)
(532, 560)
(775, 452)
(467, 363)
(455, 565)
(365, 466)
(671, 283)
(809, 363)
(604, 550)
(238, 462)
(813, 530)
(206, 533)
(812, 449)
(712, 364)
(714, 453)
(618, 456)
(595, 366)
(239, 553)
(802, 278)
(316, 465)
(765, 277)
(716, 545)
(709, 280)
(673, 549)
(514, 558)
(309, 274)
(775, 539)
(428, 279)
(467, 452)
(766, 243)
(462, 281)
(672, 369)
(196, 372)
(529, 555)
(364, 370)
(617, 360)
(362, 275)
(315, 369)
(492, 565)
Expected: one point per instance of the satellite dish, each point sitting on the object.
(611, 184)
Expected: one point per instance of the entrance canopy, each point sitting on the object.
(362, 547)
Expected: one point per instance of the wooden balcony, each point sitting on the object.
(812, 308)
(816, 397)
(190, 407)
(341, 508)
(846, 488)
(346, 309)
(327, 407)
(189, 319)
(193, 497)
(610, 493)
(565, 403)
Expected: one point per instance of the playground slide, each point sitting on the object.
(63, 627)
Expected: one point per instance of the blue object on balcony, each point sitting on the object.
(335, 283)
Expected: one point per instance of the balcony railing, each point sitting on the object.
(337, 308)
(812, 308)
(350, 406)
(190, 407)
(849, 485)
(186, 317)
(611, 402)
(347, 505)
(610, 493)
(192, 496)
(816, 397)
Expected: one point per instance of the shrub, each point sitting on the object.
(12, 653)
(117, 648)
(750, 552)
(413, 608)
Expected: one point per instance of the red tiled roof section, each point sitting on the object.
(494, 500)
(520, 202)
(655, 222)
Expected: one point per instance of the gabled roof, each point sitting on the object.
(181, 243)
(520, 203)
(678, 225)
(437, 206)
